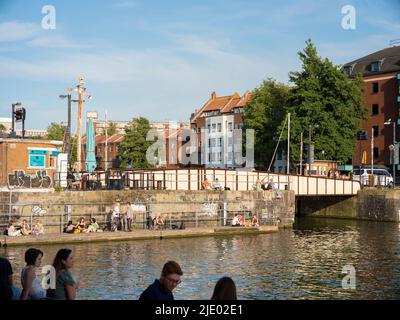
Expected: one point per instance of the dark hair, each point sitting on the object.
(31, 255)
(171, 267)
(62, 254)
(69, 222)
(93, 220)
(225, 289)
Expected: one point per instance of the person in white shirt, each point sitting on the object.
(116, 217)
(235, 221)
(130, 216)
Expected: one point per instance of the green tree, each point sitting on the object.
(329, 102)
(55, 131)
(132, 150)
(3, 129)
(265, 113)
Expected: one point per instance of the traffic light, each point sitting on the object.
(20, 114)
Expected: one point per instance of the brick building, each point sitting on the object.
(218, 118)
(27, 157)
(381, 81)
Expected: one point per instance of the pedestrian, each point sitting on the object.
(129, 216)
(123, 220)
(162, 288)
(6, 280)
(225, 289)
(66, 285)
(31, 286)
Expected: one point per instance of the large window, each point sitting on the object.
(375, 87)
(375, 109)
(214, 127)
(375, 66)
(219, 127)
(37, 158)
(376, 153)
(376, 130)
(230, 127)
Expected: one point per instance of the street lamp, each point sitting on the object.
(393, 148)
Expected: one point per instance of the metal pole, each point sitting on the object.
(12, 133)
(79, 131)
(301, 153)
(288, 147)
(106, 151)
(68, 137)
(309, 151)
(394, 149)
(372, 152)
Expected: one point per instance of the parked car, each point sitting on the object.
(382, 176)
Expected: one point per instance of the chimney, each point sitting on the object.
(213, 95)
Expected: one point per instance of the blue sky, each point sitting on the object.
(162, 59)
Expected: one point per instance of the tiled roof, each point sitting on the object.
(224, 104)
(389, 58)
(218, 103)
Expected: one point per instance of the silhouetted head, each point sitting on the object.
(225, 289)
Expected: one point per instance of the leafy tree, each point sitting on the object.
(132, 150)
(327, 101)
(55, 131)
(3, 129)
(265, 113)
(323, 98)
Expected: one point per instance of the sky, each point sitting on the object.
(162, 59)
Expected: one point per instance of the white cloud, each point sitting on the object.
(16, 31)
(54, 42)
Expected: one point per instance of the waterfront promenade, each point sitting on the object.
(64, 238)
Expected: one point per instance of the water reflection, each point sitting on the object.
(303, 263)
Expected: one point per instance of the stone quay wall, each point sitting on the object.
(194, 208)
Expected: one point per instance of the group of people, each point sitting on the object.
(215, 185)
(24, 229)
(82, 227)
(123, 220)
(67, 284)
(239, 221)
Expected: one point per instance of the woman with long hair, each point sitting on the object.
(31, 286)
(66, 285)
(225, 289)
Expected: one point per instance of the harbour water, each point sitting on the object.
(305, 262)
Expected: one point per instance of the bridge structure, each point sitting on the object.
(238, 180)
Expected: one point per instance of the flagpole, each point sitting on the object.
(106, 151)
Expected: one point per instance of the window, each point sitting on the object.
(376, 130)
(209, 128)
(376, 153)
(230, 141)
(347, 70)
(375, 109)
(230, 127)
(375, 87)
(375, 66)
(37, 158)
(214, 127)
(219, 127)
